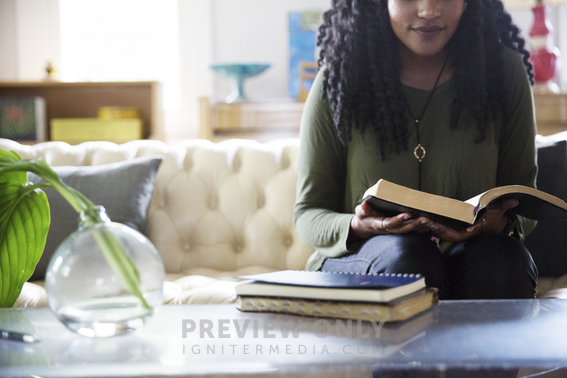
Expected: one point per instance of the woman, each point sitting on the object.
(433, 95)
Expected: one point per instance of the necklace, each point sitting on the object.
(419, 151)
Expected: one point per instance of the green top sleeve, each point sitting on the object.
(518, 155)
(320, 180)
(332, 177)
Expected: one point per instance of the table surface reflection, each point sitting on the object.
(220, 340)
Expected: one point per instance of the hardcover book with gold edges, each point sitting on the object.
(396, 310)
(391, 199)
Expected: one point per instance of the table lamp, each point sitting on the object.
(544, 55)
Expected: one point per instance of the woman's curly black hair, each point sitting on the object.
(362, 76)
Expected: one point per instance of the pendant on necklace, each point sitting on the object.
(419, 152)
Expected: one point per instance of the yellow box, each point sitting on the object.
(114, 112)
(78, 130)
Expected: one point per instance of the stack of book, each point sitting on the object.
(377, 297)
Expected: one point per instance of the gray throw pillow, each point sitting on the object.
(124, 189)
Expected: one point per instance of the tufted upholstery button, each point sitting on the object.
(187, 247)
(261, 200)
(288, 241)
(285, 163)
(237, 163)
(238, 248)
(213, 203)
(188, 164)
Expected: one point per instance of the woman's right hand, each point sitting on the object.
(367, 223)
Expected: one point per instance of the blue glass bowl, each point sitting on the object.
(237, 73)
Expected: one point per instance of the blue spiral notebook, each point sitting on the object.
(331, 285)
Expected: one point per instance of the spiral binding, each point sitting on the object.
(368, 274)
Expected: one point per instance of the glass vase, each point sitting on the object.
(84, 290)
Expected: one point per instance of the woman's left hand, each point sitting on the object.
(493, 221)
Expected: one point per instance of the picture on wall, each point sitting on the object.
(302, 44)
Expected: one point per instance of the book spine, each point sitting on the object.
(40, 119)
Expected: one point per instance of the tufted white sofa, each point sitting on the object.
(217, 211)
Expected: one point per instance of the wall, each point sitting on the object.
(223, 31)
(8, 45)
(210, 31)
(256, 31)
(29, 38)
(37, 36)
(195, 51)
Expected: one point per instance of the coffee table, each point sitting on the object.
(219, 340)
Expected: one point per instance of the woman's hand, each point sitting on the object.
(493, 221)
(367, 223)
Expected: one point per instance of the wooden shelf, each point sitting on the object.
(79, 100)
(259, 120)
(551, 112)
(281, 118)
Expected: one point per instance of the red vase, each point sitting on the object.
(544, 61)
(543, 54)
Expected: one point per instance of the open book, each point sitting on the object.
(391, 199)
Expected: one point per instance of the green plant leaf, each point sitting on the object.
(24, 223)
(8, 158)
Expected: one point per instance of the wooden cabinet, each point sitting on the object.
(82, 100)
(281, 118)
(261, 121)
(551, 112)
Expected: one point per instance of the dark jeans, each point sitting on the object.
(483, 267)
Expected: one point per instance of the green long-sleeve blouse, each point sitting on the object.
(332, 177)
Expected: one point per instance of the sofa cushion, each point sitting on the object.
(193, 289)
(32, 295)
(548, 242)
(552, 287)
(196, 289)
(124, 189)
